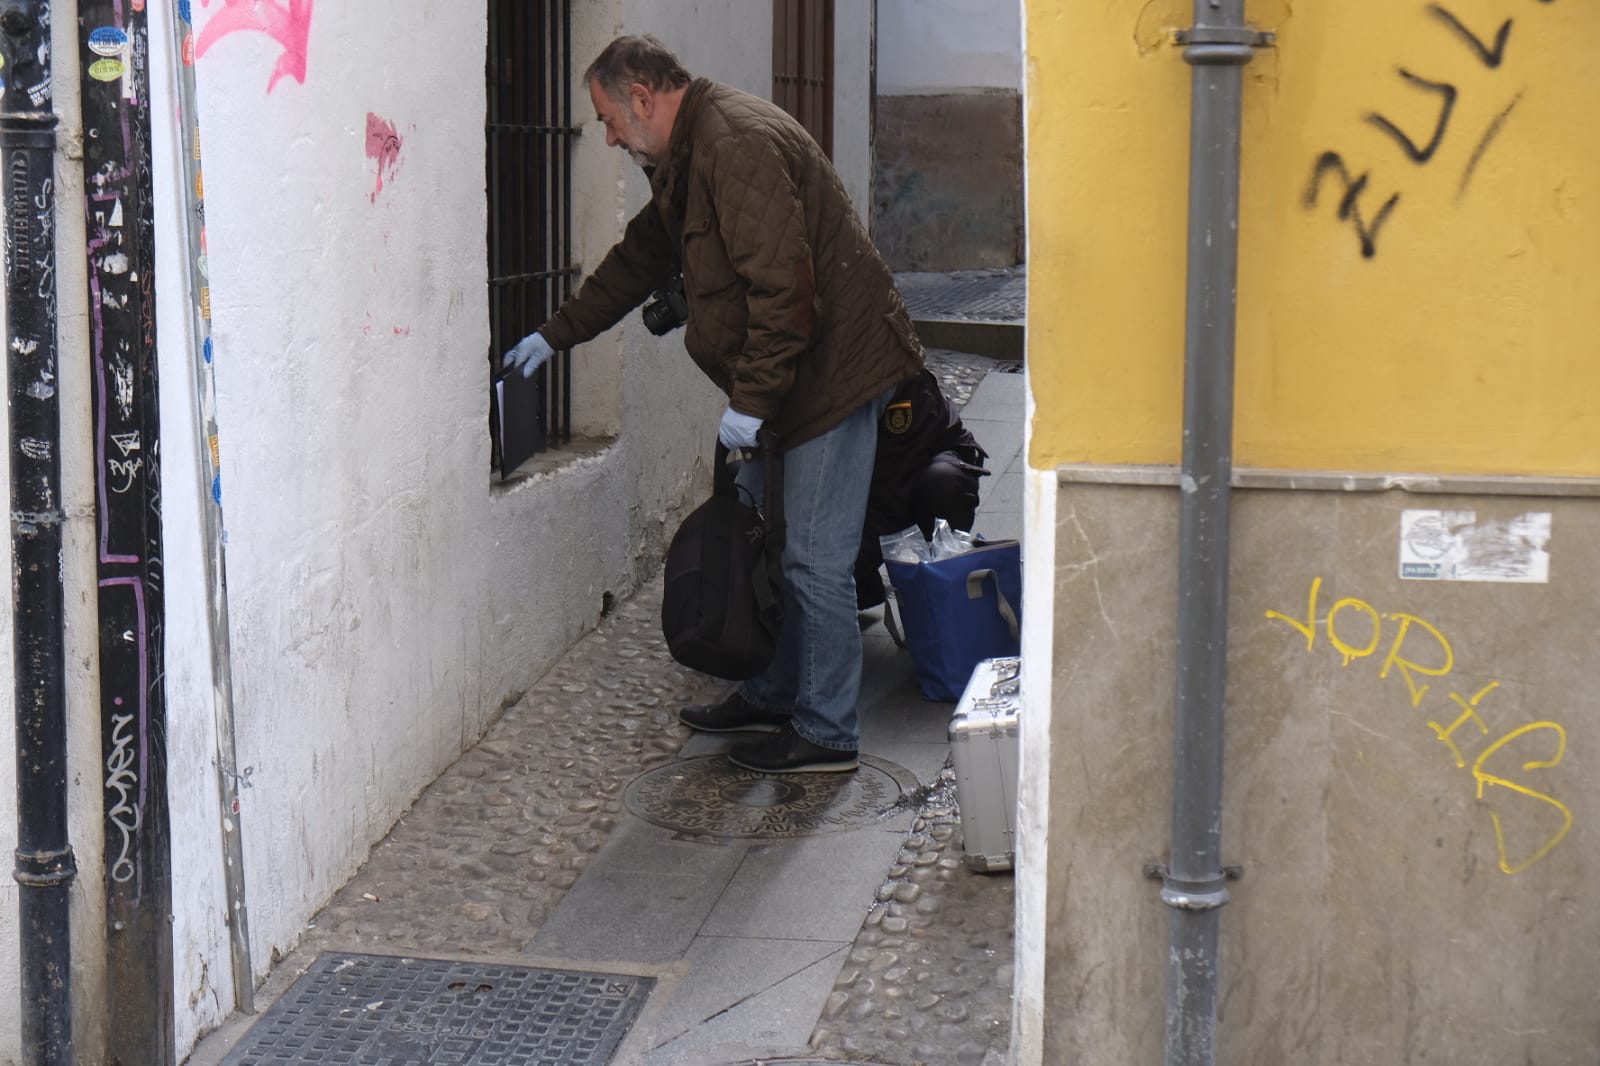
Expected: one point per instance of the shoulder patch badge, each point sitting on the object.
(897, 418)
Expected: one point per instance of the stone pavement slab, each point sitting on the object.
(812, 888)
(732, 973)
(766, 1019)
(994, 414)
(642, 899)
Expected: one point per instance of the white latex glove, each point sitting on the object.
(529, 354)
(737, 430)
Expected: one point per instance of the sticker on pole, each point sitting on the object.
(1455, 546)
(106, 69)
(107, 41)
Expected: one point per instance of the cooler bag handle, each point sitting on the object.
(975, 592)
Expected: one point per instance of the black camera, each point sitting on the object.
(667, 309)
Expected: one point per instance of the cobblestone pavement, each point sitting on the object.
(483, 856)
(959, 372)
(488, 850)
(929, 977)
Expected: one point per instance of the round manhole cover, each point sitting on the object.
(709, 796)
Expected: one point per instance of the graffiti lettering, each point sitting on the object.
(1407, 666)
(45, 264)
(1483, 146)
(127, 470)
(122, 385)
(122, 779)
(1349, 204)
(1486, 780)
(1418, 649)
(1492, 57)
(287, 23)
(1491, 54)
(1469, 713)
(1350, 651)
(1425, 153)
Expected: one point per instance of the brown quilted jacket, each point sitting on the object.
(792, 312)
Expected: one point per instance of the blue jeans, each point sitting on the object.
(816, 673)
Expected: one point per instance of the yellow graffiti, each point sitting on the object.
(1414, 664)
(1469, 712)
(1309, 626)
(1348, 651)
(1407, 665)
(1484, 779)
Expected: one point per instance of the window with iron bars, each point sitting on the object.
(530, 135)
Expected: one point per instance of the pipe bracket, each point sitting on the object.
(45, 869)
(1183, 895)
(1227, 46)
(1226, 35)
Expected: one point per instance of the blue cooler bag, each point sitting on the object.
(958, 611)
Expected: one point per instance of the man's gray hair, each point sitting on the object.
(642, 59)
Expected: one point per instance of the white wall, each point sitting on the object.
(949, 46)
(852, 101)
(387, 595)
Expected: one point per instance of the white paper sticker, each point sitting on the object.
(1452, 546)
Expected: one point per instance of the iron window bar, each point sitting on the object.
(529, 135)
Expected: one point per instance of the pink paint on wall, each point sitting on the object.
(286, 21)
(383, 147)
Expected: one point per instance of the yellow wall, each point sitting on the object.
(1469, 342)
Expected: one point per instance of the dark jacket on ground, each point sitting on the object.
(792, 312)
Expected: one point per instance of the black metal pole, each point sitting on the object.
(44, 861)
(114, 53)
(1195, 884)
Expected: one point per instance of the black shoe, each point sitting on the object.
(787, 752)
(733, 715)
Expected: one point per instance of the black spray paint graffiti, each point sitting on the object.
(120, 226)
(1355, 207)
(120, 222)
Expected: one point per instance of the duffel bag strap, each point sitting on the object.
(975, 592)
(768, 579)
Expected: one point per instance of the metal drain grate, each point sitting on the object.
(379, 1010)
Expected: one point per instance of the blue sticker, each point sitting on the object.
(216, 488)
(208, 349)
(107, 41)
(183, 10)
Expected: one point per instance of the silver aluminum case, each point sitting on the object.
(983, 751)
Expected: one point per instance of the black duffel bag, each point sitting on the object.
(722, 600)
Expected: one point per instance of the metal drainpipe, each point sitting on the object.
(45, 865)
(1194, 883)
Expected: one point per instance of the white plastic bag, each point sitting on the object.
(906, 546)
(947, 541)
